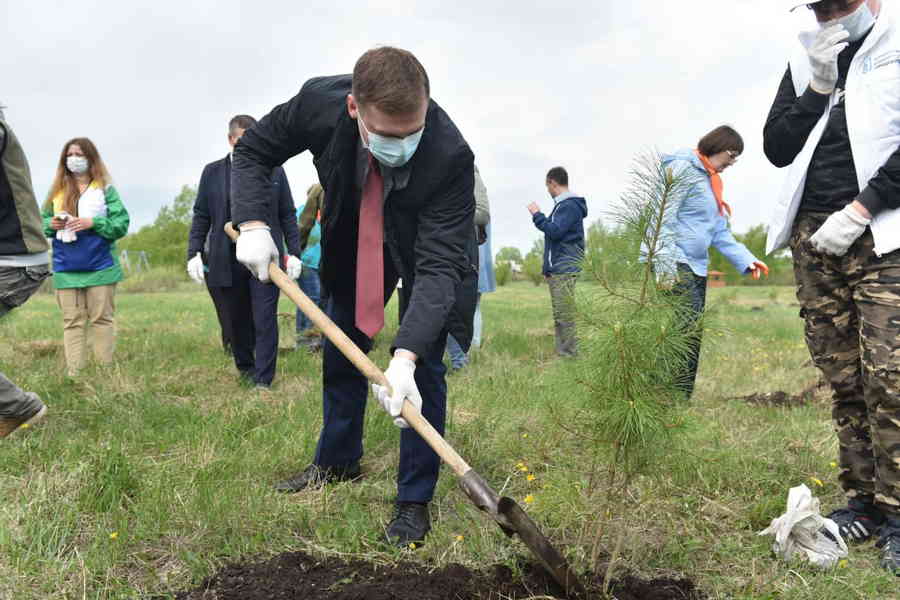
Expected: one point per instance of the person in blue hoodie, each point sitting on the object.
(563, 251)
(699, 221)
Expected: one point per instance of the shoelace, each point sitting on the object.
(405, 513)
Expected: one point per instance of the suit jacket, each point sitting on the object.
(212, 210)
(429, 231)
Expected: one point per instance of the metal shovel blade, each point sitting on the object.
(540, 546)
(513, 520)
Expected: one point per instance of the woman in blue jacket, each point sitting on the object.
(699, 222)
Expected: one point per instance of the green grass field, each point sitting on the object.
(148, 475)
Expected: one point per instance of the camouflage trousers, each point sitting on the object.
(17, 284)
(851, 308)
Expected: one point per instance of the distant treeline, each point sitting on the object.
(165, 242)
(604, 243)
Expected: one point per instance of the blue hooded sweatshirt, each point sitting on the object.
(563, 234)
(696, 224)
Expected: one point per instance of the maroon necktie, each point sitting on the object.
(370, 255)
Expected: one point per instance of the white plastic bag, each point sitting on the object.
(799, 530)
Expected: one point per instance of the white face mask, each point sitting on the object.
(389, 151)
(77, 164)
(858, 23)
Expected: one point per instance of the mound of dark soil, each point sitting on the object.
(298, 576)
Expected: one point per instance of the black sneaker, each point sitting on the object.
(858, 522)
(890, 549)
(32, 412)
(410, 525)
(315, 476)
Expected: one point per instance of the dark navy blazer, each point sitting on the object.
(212, 209)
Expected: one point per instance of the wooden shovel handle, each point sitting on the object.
(361, 362)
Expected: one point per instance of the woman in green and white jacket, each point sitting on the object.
(85, 216)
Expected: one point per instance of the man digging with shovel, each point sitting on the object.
(399, 203)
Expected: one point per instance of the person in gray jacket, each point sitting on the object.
(24, 262)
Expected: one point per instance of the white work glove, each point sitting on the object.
(255, 249)
(195, 268)
(823, 53)
(65, 235)
(293, 267)
(400, 374)
(839, 231)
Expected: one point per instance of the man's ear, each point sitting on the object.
(352, 107)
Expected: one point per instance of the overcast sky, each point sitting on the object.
(531, 85)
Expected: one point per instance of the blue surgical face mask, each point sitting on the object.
(391, 151)
(858, 23)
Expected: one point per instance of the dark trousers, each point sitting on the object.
(344, 404)
(220, 302)
(252, 308)
(691, 289)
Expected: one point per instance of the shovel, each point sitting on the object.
(505, 511)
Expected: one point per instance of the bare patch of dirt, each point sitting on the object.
(816, 392)
(298, 576)
(774, 399)
(40, 348)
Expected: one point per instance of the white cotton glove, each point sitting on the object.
(66, 236)
(195, 268)
(823, 53)
(400, 374)
(293, 267)
(839, 231)
(255, 249)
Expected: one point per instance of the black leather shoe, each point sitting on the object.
(315, 476)
(410, 525)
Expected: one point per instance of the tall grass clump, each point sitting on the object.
(112, 481)
(634, 337)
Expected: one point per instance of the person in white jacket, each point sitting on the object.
(835, 126)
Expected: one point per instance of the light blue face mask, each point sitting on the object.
(858, 23)
(391, 151)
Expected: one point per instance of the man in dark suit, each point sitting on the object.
(399, 203)
(247, 308)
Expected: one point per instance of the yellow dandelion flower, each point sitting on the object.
(843, 563)
(833, 464)
(524, 435)
(519, 465)
(529, 499)
(817, 481)
(24, 426)
(459, 538)
(412, 545)
(531, 477)
(523, 468)
(113, 535)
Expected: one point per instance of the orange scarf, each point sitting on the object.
(715, 180)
